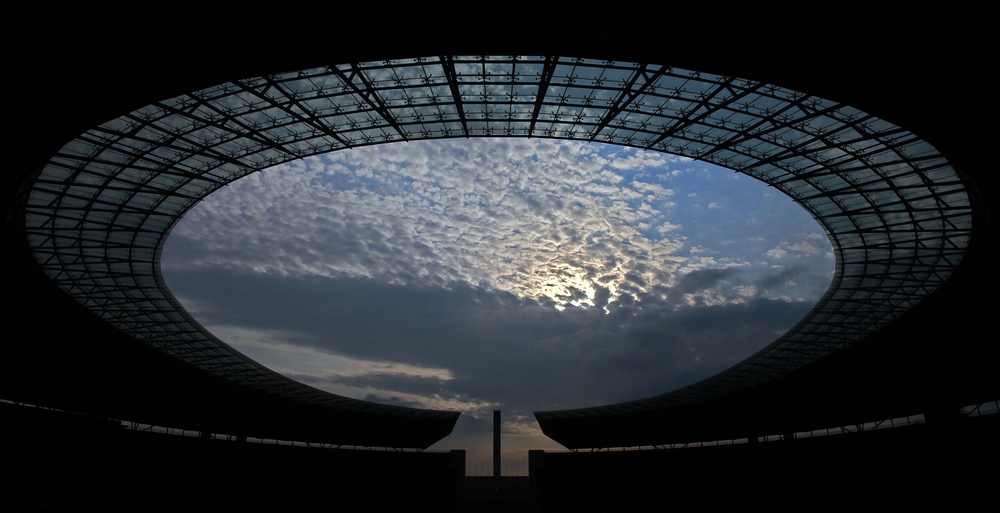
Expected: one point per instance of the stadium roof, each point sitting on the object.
(90, 206)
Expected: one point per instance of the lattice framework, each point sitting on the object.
(97, 215)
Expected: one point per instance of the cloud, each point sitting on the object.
(806, 247)
(471, 275)
(419, 385)
(394, 401)
(511, 215)
(493, 347)
(783, 277)
(699, 280)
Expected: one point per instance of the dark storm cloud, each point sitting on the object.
(773, 281)
(420, 385)
(697, 281)
(363, 317)
(393, 401)
(499, 348)
(386, 381)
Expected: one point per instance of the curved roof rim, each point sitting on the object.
(896, 212)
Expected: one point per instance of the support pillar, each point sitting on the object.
(496, 447)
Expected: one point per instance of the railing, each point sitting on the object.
(173, 431)
(836, 430)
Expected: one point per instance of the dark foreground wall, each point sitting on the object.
(954, 464)
(52, 461)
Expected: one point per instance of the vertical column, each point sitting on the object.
(458, 471)
(536, 464)
(496, 447)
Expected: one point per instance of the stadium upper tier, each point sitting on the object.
(97, 214)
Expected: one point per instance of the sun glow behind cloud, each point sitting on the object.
(476, 274)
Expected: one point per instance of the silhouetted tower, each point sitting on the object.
(496, 446)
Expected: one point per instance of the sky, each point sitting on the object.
(515, 274)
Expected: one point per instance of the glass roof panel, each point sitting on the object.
(852, 171)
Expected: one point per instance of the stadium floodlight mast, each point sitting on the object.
(98, 214)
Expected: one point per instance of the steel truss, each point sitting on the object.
(97, 215)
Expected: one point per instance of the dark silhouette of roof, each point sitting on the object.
(115, 141)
